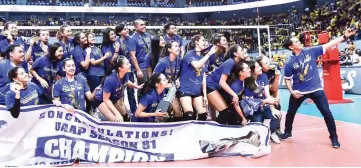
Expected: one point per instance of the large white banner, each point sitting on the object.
(48, 135)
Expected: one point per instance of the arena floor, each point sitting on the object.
(310, 145)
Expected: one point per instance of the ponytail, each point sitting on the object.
(119, 61)
(59, 37)
(150, 84)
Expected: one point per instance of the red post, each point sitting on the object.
(331, 72)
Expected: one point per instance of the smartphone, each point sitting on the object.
(206, 50)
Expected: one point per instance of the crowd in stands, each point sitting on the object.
(199, 3)
(333, 17)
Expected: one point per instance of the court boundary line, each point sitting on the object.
(322, 128)
(345, 122)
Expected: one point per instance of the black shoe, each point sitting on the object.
(335, 143)
(285, 136)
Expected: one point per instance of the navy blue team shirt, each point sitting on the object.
(258, 93)
(28, 96)
(150, 101)
(114, 86)
(96, 70)
(168, 68)
(141, 47)
(191, 79)
(63, 89)
(214, 78)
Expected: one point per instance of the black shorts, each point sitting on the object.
(96, 103)
(180, 94)
(210, 90)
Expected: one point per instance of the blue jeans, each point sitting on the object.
(259, 116)
(319, 98)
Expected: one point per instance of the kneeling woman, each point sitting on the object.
(152, 93)
(257, 90)
(240, 72)
(22, 91)
(110, 99)
(72, 89)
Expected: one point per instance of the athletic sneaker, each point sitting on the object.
(335, 143)
(286, 135)
(274, 138)
(279, 132)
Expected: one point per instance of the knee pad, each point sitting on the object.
(222, 117)
(202, 117)
(189, 115)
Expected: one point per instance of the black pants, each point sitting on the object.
(319, 98)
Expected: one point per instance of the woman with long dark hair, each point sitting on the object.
(72, 89)
(217, 81)
(110, 99)
(257, 87)
(46, 70)
(240, 72)
(96, 67)
(170, 66)
(81, 54)
(192, 90)
(152, 93)
(109, 47)
(157, 43)
(218, 57)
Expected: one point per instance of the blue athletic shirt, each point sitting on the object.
(28, 96)
(214, 78)
(258, 93)
(168, 68)
(297, 65)
(150, 101)
(67, 91)
(114, 86)
(141, 45)
(191, 79)
(96, 70)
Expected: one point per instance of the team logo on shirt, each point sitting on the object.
(39, 54)
(198, 71)
(296, 65)
(154, 105)
(308, 58)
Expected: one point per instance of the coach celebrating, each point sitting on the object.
(302, 69)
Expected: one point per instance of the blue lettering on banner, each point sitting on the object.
(64, 148)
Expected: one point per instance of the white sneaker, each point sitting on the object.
(275, 139)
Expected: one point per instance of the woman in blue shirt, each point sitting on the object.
(273, 74)
(38, 46)
(157, 44)
(22, 92)
(47, 70)
(71, 89)
(170, 66)
(217, 81)
(64, 37)
(153, 93)
(240, 72)
(218, 57)
(192, 90)
(81, 54)
(109, 46)
(257, 87)
(110, 99)
(96, 67)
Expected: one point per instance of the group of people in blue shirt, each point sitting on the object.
(75, 74)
